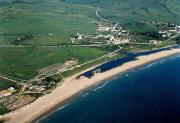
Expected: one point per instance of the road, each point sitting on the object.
(7, 78)
(13, 79)
(52, 46)
(139, 43)
(173, 37)
(103, 19)
(77, 66)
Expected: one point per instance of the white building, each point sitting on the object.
(11, 89)
(78, 36)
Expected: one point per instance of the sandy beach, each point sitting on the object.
(72, 86)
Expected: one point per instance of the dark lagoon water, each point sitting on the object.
(149, 94)
(118, 62)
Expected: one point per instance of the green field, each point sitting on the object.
(23, 62)
(34, 20)
(38, 19)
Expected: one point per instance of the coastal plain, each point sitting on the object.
(72, 86)
(47, 45)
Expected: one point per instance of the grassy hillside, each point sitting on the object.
(131, 12)
(38, 18)
(35, 20)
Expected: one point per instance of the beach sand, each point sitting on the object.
(72, 86)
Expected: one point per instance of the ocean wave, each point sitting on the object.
(163, 61)
(103, 85)
(86, 94)
(148, 66)
(127, 75)
(46, 116)
(60, 108)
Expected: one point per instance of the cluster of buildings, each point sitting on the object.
(175, 28)
(32, 88)
(77, 37)
(102, 28)
(38, 86)
(170, 29)
(113, 28)
(48, 76)
(106, 33)
(116, 34)
(164, 34)
(111, 39)
(169, 33)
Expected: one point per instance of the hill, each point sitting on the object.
(36, 19)
(53, 22)
(130, 12)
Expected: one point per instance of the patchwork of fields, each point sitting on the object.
(35, 34)
(52, 22)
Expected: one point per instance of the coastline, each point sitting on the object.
(72, 86)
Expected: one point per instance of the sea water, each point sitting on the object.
(148, 94)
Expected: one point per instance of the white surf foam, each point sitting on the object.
(86, 94)
(103, 85)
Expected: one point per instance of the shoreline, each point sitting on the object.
(78, 95)
(72, 87)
